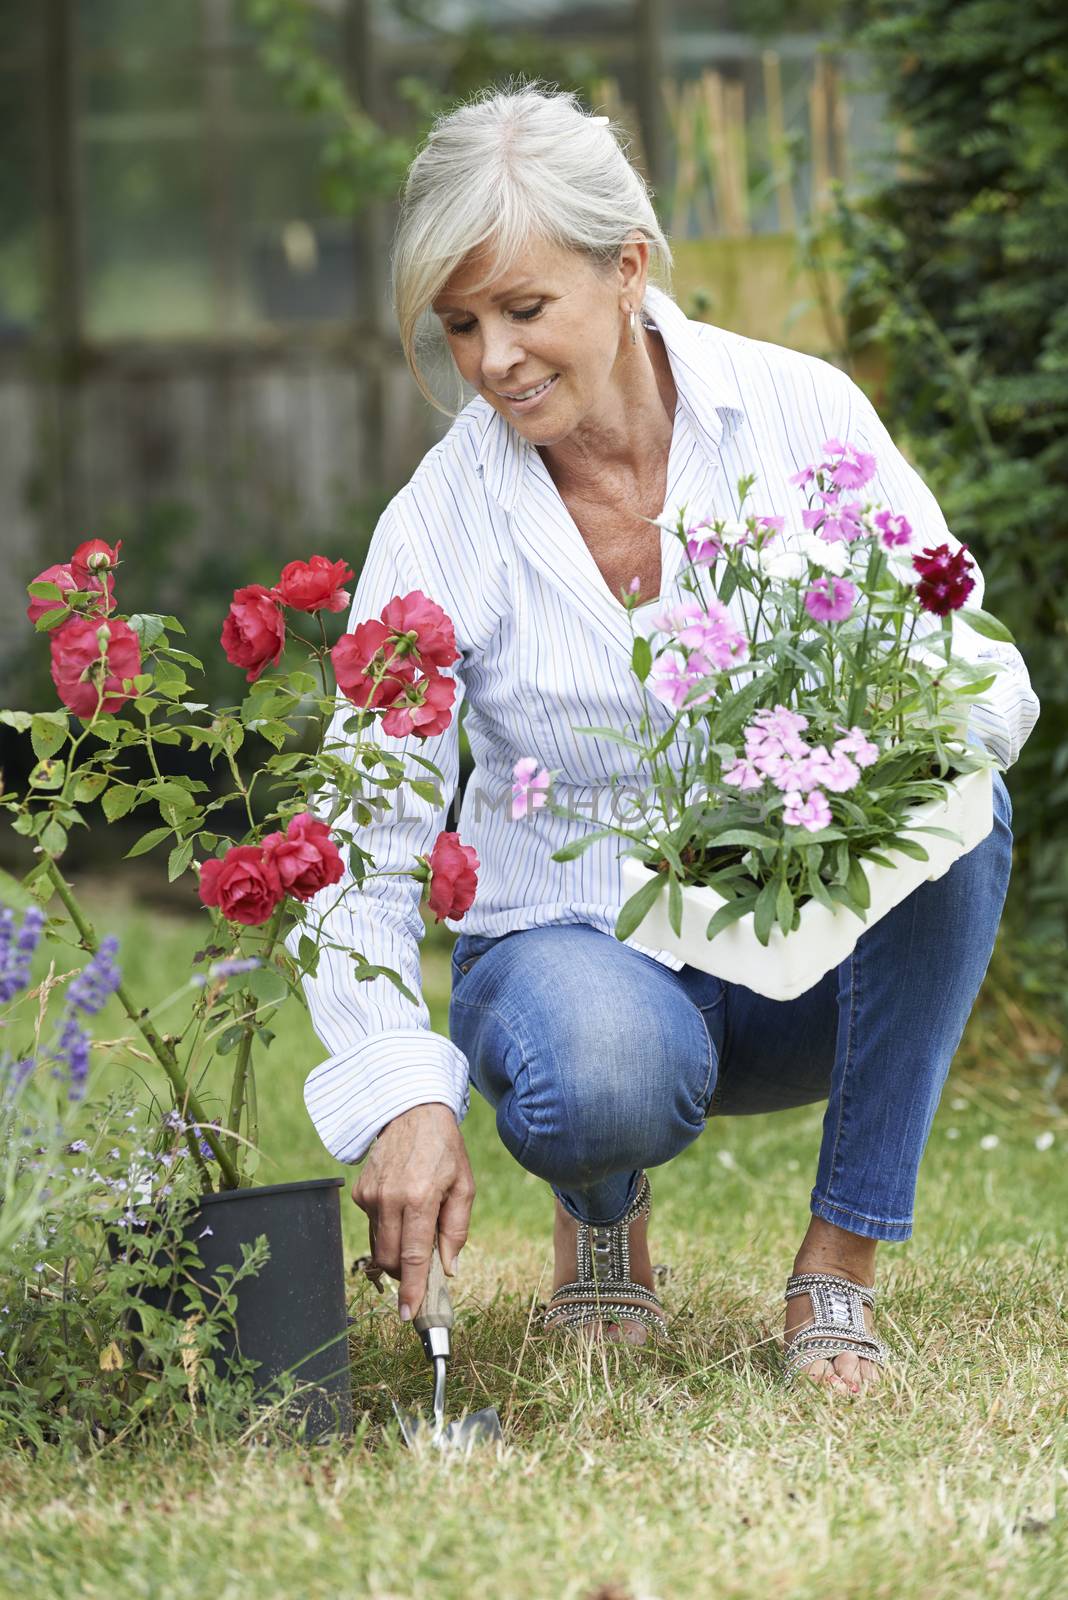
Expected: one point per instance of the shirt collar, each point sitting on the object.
(706, 388)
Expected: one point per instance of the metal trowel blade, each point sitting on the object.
(481, 1427)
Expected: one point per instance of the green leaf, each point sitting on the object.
(53, 618)
(147, 627)
(13, 894)
(148, 841)
(732, 912)
(118, 801)
(577, 847)
(53, 838)
(610, 733)
(641, 659)
(675, 905)
(48, 774)
(363, 971)
(639, 905)
(229, 1039)
(307, 953)
(268, 985)
(44, 591)
(172, 794)
(989, 626)
(858, 885)
(735, 710)
(179, 859)
(842, 896)
(90, 786)
(910, 847)
(764, 911)
(744, 836)
(425, 790)
(46, 735)
(784, 907)
(818, 889)
(19, 720)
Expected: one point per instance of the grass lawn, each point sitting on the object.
(686, 1471)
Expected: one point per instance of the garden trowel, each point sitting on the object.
(433, 1322)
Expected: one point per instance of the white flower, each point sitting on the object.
(725, 1158)
(959, 1104)
(952, 1133)
(782, 564)
(989, 1141)
(732, 533)
(1044, 1140)
(828, 557)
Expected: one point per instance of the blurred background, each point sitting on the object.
(197, 352)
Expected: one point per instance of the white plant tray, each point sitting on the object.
(790, 964)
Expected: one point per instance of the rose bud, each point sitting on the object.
(453, 876)
(254, 633)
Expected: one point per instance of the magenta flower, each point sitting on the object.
(529, 787)
(835, 522)
(778, 523)
(834, 770)
(830, 599)
(894, 529)
(709, 632)
(672, 679)
(856, 467)
(856, 743)
(702, 552)
(806, 475)
(743, 775)
(944, 582)
(812, 814)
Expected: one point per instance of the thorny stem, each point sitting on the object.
(162, 1051)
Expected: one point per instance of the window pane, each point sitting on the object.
(146, 248)
(21, 287)
(137, 25)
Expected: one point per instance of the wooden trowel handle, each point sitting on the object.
(436, 1309)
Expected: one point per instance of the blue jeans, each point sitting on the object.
(602, 1061)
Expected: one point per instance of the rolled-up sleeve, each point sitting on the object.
(384, 1059)
(1006, 712)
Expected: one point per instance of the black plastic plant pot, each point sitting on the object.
(290, 1316)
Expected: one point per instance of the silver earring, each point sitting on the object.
(633, 326)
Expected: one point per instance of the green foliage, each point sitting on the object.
(958, 266)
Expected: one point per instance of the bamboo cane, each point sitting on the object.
(776, 126)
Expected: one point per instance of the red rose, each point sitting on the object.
(944, 583)
(435, 642)
(453, 876)
(68, 582)
(83, 680)
(305, 857)
(254, 633)
(425, 708)
(314, 585)
(357, 657)
(244, 885)
(92, 559)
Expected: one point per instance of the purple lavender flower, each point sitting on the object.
(16, 952)
(97, 981)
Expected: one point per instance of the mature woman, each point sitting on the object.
(527, 239)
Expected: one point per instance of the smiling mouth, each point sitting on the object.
(528, 394)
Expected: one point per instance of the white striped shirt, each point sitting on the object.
(545, 648)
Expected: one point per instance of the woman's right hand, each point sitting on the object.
(416, 1187)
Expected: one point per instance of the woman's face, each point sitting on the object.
(542, 341)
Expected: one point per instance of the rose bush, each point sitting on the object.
(125, 687)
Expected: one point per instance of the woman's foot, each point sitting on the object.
(830, 1249)
(565, 1250)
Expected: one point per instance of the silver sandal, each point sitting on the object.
(837, 1322)
(604, 1289)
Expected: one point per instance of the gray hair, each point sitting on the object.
(506, 167)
